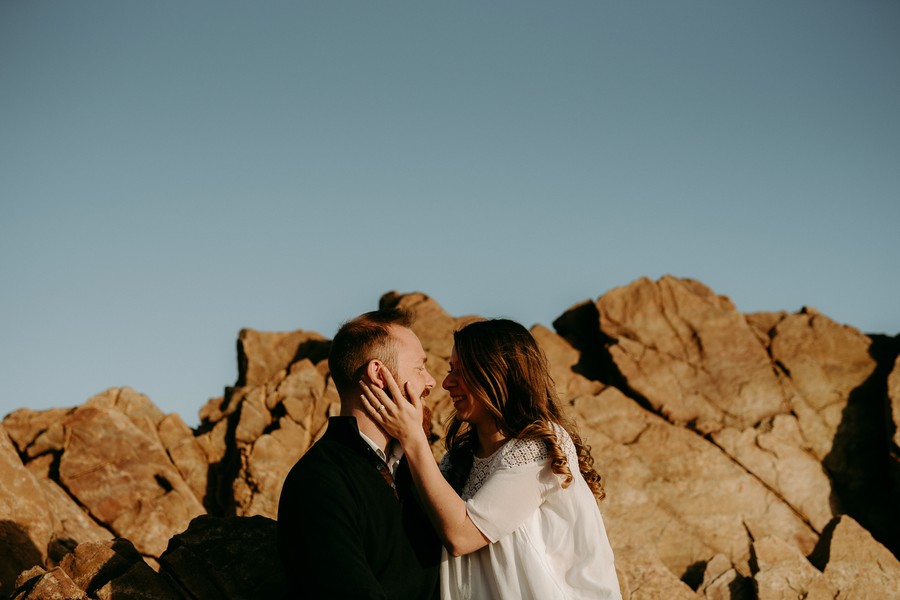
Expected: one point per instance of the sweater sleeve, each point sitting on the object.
(319, 537)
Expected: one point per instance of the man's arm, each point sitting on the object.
(320, 540)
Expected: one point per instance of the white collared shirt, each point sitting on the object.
(396, 452)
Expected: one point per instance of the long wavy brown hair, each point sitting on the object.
(504, 368)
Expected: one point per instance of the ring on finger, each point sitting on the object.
(380, 408)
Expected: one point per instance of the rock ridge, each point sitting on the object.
(744, 456)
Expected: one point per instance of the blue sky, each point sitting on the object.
(171, 172)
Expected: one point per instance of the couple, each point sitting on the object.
(509, 513)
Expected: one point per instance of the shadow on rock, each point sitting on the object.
(859, 459)
(17, 553)
(226, 558)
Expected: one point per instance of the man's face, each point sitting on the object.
(411, 360)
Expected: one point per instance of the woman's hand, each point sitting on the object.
(401, 419)
(400, 415)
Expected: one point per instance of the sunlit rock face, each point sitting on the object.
(743, 456)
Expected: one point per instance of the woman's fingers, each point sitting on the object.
(391, 383)
(368, 399)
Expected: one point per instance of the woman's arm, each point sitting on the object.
(402, 420)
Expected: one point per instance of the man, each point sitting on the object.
(349, 523)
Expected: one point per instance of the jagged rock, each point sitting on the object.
(672, 492)
(234, 558)
(894, 399)
(124, 477)
(721, 581)
(846, 563)
(825, 362)
(25, 518)
(854, 563)
(727, 444)
(776, 453)
(837, 391)
(108, 570)
(54, 584)
(36, 432)
(275, 425)
(114, 569)
(261, 355)
(564, 360)
(139, 409)
(690, 354)
(71, 525)
(643, 577)
(781, 570)
(186, 453)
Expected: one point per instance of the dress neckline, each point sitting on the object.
(478, 459)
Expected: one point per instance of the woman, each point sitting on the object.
(514, 497)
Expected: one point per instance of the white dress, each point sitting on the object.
(546, 542)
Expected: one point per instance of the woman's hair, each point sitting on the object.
(504, 368)
(360, 340)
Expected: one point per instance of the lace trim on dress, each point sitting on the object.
(514, 453)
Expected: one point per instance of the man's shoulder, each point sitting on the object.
(325, 454)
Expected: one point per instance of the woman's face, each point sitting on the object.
(468, 407)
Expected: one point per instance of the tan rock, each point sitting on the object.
(70, 524)
(894, 399)
(262, 354)
(50, 585)
(855, 564)
(36, 432)
(277, 425)
(781, 570)
(134, 405)
(25, 519)
(643, 577)
(721, 581)
(113, 569)
(125, 479)
(672, 491)
(564, 365)
(777, 454)
(726, 444)
(186, 453)
(825, 362)
(690, 354)
(839, 399)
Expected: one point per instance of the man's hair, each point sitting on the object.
(362, 339)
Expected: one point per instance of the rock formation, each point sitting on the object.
(743, 455)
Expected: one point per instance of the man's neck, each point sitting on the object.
(368, 428)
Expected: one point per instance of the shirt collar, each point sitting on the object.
(391, 460)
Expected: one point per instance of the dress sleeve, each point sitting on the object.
(513, 491)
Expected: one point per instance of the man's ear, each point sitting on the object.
(373, 373)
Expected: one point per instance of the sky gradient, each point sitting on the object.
(172, 172)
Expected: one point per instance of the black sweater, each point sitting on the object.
(344, 532)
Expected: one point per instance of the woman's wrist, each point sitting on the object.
(416, 445)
